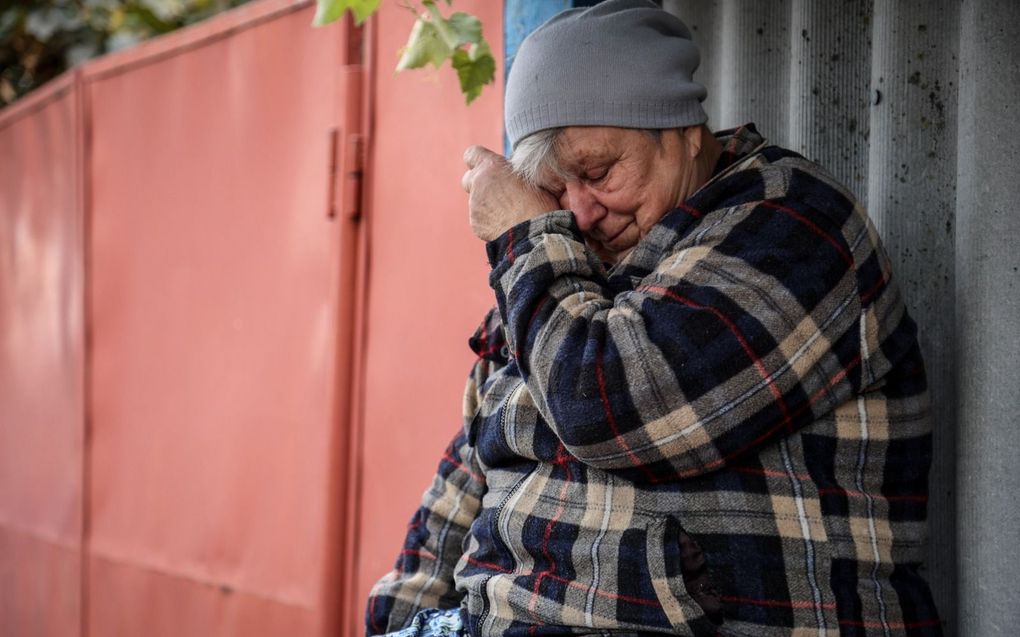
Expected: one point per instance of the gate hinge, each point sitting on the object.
(346, 171)
(353, 167)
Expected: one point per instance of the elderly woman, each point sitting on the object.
(699, 406)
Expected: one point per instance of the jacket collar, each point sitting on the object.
(737, 144)
(740, 145)
(488, 341)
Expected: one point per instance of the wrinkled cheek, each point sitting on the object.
(604, 254)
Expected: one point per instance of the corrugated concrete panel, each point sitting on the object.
(704, 19)
(761, 61)
(796, 68)
(875, 90)
(830, 92)
(988, 332)
(912, 200)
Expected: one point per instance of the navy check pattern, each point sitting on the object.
(726, 433)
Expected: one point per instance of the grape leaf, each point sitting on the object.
(459, 29)
(475, 68)
(467, 28)
(433, 40)
(424, 46)
(328, 11)
(442, 27)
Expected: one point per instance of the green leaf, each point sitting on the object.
(424, 46)
(435, 39)
(460, 29)
(467, 28)
(330, 10)
(441, 25)
(475, 68)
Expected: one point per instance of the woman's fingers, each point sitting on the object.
(475, 155)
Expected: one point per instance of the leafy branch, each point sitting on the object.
(434, 39)
(40, 39)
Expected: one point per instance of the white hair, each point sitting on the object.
(535, 155)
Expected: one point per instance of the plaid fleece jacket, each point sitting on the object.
(727, 433)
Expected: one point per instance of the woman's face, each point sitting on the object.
(619, 182)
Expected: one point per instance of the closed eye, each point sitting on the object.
(557, 193)
(595, 175)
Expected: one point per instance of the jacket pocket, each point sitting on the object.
(681, 579)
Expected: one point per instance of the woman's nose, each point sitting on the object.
(587, 210)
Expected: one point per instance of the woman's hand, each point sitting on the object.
(499, 199)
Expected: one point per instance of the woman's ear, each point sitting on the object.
(692, 135)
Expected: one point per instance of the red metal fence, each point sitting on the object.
(42, 416)
(236, 282)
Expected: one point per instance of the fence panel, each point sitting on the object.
(214, 314)
(41, 363)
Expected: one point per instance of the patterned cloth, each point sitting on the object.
(433, 622)
(727, 433)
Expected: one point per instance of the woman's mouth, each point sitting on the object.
(609, 238)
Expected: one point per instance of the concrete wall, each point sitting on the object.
(987, 336)
(913, 103)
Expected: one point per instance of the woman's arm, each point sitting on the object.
(747, 329)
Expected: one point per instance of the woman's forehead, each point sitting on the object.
(580, 142)
(579, 145)
(580, 148)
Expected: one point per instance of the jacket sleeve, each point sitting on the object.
(423, 574)
(746, 329)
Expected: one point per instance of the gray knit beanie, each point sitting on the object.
(624, 63)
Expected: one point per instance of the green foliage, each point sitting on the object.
(329, 10)
(425, 46)
(434, 39)
(41, 39)
(475, 68)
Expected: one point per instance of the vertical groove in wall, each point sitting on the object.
(830, 90)
(84, 177)
(987, 329)
(754, 66)
(912, 199)
(702, 18)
